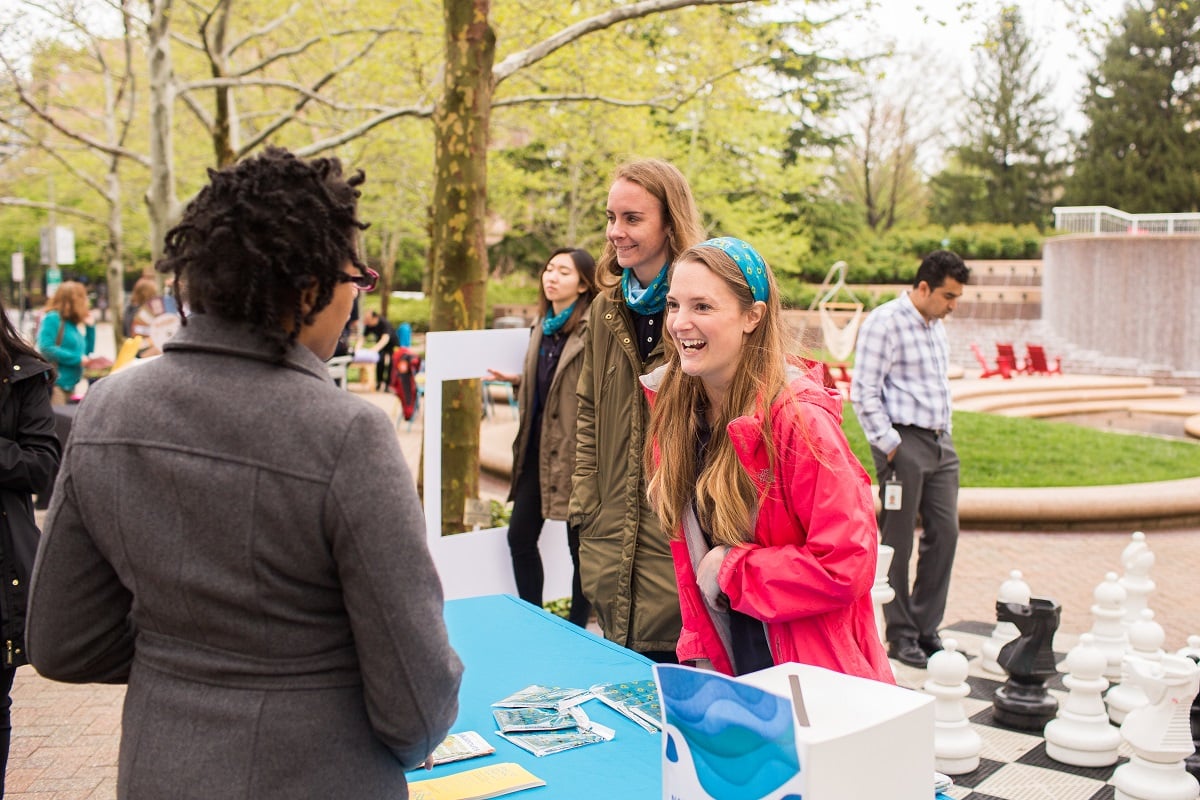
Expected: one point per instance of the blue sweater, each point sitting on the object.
(68, 354)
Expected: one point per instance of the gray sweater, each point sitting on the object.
(242, 542)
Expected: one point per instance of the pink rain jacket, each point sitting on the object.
(809, 572)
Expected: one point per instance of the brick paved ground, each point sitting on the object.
(65, 737)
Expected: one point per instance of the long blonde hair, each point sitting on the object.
(666, 184)
(145, 290)
(726, 498)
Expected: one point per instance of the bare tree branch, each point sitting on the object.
(298, 49)
(21, 202)
(419, 112)
(310, 94)
(537, 52)
(273, 25)
(197, 110)
(524, 99)
(44, 115)
(294, 112)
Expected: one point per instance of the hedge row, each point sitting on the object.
(892, 257)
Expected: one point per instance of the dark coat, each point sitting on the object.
(556, 456)
(29, 454)
(242, 542)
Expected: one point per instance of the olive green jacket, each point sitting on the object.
(556, 455)
(625, 562)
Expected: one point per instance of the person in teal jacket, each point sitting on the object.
(65, 345)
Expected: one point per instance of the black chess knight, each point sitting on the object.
(1023, 702)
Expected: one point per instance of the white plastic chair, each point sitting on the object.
(337, 369)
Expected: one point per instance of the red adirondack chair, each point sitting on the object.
(1037, 363)
(1006, 358)
(1001, 369)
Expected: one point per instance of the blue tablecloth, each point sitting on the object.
(508, 644)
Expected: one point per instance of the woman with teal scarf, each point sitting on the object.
(62, 342)
(625, 562)
(544, 450)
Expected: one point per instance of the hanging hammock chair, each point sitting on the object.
(839, 338)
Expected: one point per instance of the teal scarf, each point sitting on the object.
(553, 323)
(649, 300)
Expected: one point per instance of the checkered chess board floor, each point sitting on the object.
(1013, 765)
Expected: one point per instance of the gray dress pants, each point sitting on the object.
(927, 467)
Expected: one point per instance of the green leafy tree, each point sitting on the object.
(1006, 171)
(1140, 152)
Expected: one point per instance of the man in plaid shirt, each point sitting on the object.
(901, 394)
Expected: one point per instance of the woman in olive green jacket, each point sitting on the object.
(625, 563)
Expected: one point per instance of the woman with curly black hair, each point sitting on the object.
(239, 540)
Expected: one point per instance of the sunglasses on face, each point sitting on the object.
(365, 281)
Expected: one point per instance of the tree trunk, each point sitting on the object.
(389, 246)
(458, 250)
(160, 197)
(113, 191)
(222, 136)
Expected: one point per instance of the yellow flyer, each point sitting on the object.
(476, 784)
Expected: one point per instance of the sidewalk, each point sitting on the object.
(65, 738)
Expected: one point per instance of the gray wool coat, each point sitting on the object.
(242, 543)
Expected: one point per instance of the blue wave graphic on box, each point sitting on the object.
(723, 722)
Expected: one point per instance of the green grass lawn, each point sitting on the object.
(999, 451)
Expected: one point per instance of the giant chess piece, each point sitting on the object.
(956, 744)
(1013, 590)
(882, 592)
(1081, 734)
(1109, 630)
(1023, 702)
(1137, 560)
(1158, 732)
(1192, 762)
(1145, 644)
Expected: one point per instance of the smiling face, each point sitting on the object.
(561, 282)
(708, 325)
(637, 229)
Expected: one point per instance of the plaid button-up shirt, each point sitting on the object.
(901, 366)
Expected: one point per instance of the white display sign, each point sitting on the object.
(18, 267)
(64, 246)
(476, 563)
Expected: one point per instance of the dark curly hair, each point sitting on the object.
(260, 233)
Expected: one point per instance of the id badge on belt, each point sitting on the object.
(893, 495)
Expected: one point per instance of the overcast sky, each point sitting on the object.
(939, 26)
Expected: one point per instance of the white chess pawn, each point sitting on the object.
(1159, 733)
(1013, 590)
(882, 592)
(1137, 560)
(1145, 645)
(956, 745)
(1108, 628)
(1191, 649)
(1081, 734)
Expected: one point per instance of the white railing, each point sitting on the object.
(1102, 219)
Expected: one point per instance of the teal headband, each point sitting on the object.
(748, 260)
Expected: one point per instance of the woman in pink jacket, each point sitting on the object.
(775, 535)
